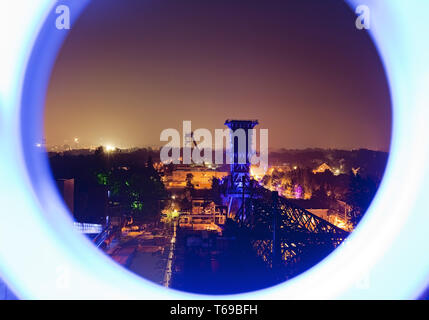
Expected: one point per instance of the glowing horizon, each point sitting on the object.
(125, 73)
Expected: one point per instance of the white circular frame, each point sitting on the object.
(42, 257)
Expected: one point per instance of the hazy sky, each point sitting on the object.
(131, 68)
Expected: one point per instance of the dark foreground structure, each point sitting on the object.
(266, 240)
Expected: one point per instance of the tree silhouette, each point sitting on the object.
(359, 196)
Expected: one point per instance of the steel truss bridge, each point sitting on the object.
(288, 238)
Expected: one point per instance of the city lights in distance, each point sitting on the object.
(110, 148)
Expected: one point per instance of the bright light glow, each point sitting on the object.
(389, 246)
(110, 148)
(88, 228)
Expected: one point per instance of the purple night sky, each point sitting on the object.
(131, 68)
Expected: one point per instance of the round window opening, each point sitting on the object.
(154, 109)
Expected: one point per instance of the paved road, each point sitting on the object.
(145, 252)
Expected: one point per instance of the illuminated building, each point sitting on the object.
(201, 177)
(322, 168)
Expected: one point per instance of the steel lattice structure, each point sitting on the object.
(286, 236)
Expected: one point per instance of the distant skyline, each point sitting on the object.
(131, 68)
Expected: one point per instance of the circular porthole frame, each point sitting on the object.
(44, 258)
